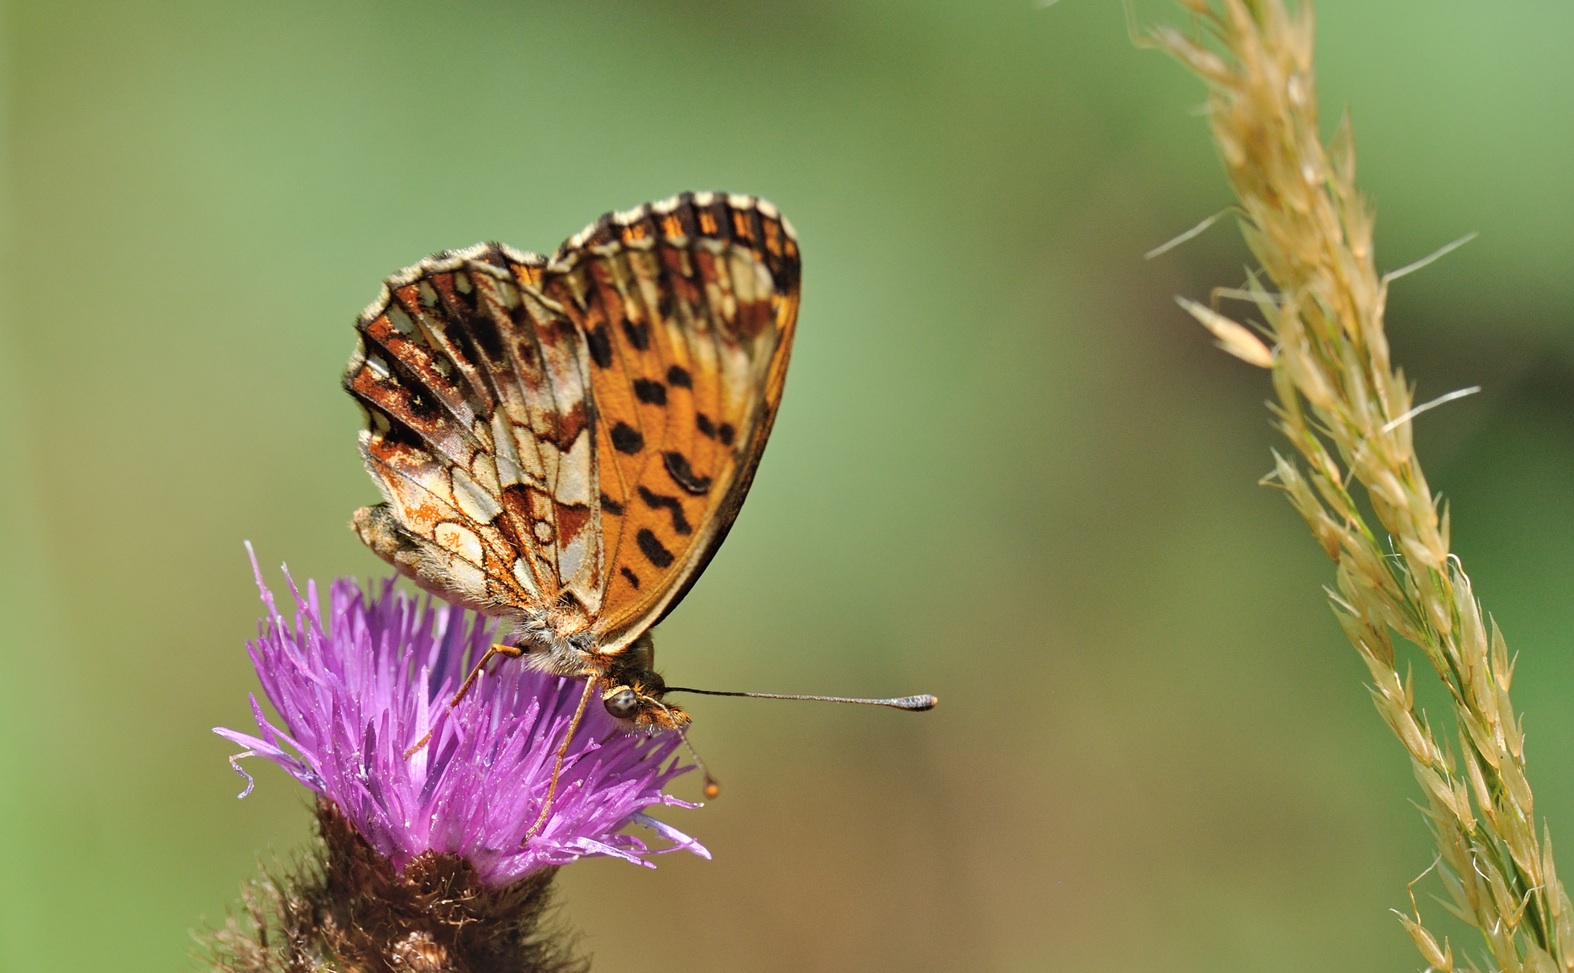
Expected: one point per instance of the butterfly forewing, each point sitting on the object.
(577, 434)
(688, 308)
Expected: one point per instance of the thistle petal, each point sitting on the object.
(355, 689)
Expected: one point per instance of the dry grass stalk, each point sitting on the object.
(1346, 410)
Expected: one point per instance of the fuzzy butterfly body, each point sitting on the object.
(563, 442)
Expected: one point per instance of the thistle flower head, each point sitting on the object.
(355, 693)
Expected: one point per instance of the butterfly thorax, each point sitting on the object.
(561, 631)
(629, 686)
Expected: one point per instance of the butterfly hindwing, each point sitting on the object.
(479, 434)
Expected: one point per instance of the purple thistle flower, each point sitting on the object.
(355, 694)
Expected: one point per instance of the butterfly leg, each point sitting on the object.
(562, 752)
(512, 651)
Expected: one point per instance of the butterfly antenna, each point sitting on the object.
(557, 766)
(712, 786)
(913, 704)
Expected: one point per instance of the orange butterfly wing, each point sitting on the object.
(577, 434)
(688, 308)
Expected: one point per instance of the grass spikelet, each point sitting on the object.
(1356, 480)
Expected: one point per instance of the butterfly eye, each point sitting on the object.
(622, 704)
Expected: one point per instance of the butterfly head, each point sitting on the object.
(633, 690)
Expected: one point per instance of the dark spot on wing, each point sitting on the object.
(679, 377)
(527, 354)
(649, 392)
(462, 339)
(652, 549)
(785, 274)
(422, 406)
(611, 506)
(400, 434)
(659, 501)
(704, 425)
(600, 346)
(626, 439)
(410, 385)
(638, 334)
(630, 577)
(478, 323)
(486, 335)
(725, 432)
(683, 475)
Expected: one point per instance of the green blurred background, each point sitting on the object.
(1007, 470)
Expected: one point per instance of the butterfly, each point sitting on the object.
(563, 442)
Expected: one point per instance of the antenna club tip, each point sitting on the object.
(924, 702)
(712, 790)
